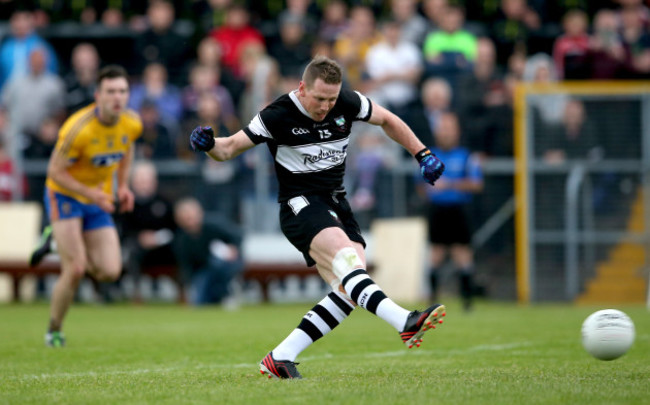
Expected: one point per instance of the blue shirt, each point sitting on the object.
(14, 56)
(459, 165)
(168, 103)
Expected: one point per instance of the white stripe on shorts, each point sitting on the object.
(297, 204)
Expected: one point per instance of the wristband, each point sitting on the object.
(422, 154)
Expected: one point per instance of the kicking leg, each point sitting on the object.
(335, 253)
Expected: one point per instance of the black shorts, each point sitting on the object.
(303, 217)
(448, 225)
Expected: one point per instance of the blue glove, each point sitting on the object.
(202, 139)
(430, 166)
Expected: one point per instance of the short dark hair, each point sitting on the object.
(323, 68)
(111, 72)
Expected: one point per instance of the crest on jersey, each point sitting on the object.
(340, 121)
(333, 214)
(107, 159)
(125, 139)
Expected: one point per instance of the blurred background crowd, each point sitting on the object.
(218, 62)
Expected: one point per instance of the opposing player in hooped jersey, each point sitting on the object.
(308, 132)
(94, 144)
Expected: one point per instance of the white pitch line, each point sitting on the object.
(397, 353)
(165, 370)
(160, 370)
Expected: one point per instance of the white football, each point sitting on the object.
(607, 334)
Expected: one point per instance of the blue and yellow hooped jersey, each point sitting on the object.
(94, 149)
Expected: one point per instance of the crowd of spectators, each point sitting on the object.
(218, 62)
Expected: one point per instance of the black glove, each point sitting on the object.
(430, 166)
(202, 139)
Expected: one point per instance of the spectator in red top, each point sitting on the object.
(234, 35)
(571, 50)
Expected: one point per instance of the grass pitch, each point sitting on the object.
(159, 354)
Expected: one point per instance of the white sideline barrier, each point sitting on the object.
(20, 224)
(399, 254)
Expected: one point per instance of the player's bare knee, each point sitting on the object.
(75, 271)
(73, 277)
(107, 275)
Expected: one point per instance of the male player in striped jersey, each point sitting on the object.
(94, 144)
(307, 132)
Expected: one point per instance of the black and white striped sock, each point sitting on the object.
(320, 320)
(370, 296)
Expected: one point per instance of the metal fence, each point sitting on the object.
(545, 218)
(578, 180)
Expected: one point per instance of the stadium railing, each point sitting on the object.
(582, 226)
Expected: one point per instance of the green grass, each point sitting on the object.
(498, 354)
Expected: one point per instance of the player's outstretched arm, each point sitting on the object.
(431, 167)
(223, 148)
(396, 129)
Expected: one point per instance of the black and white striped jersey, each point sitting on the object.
(309, 155)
